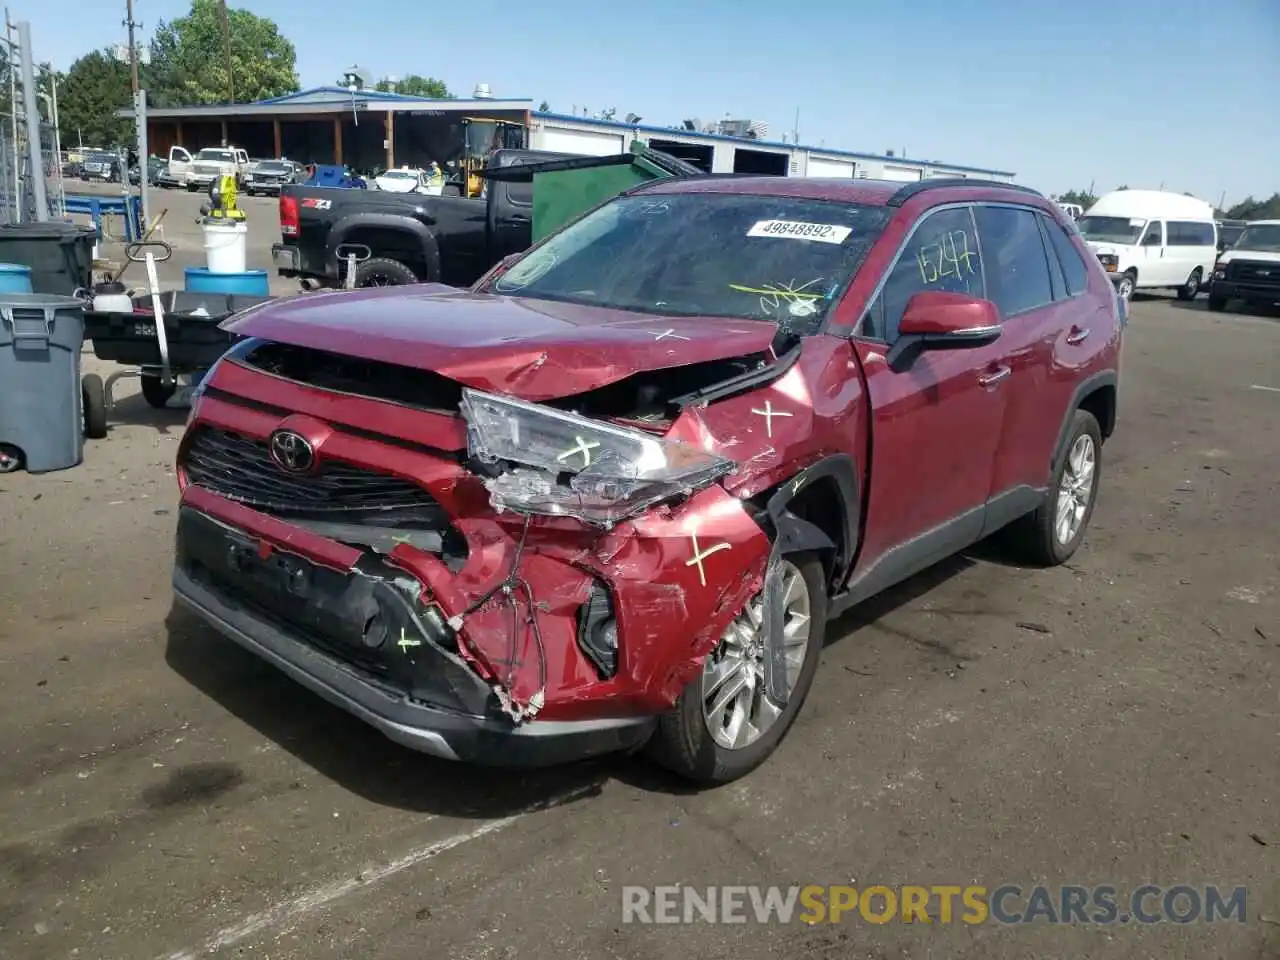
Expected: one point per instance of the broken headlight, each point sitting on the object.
(574, 466)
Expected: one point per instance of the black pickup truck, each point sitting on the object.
(413, 237)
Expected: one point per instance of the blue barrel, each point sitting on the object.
(15, 278)
(251, 283)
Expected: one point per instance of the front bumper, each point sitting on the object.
(263, 186)
(1251, 292)
(447, 714)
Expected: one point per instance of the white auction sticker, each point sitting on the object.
(797, 230)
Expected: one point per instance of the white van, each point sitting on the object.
(1072, 210)
(1151, 240)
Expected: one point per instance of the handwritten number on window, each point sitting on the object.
(949, 257)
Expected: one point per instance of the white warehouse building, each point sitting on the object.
(717, 153)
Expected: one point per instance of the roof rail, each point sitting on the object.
(909, 190)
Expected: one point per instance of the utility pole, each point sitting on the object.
(133, 46)
(226, 36)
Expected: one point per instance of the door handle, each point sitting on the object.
(991, 379)
(1078, 335)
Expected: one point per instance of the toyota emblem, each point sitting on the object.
(292, 451)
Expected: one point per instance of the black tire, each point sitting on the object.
(1034, 538)
(155, 392)
(682, 742)
(383, 272)
(1189, 289)
(94, 397)
(1127, 291)
(1217, 303)
(10, 458)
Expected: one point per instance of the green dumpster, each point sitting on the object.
(564, 189)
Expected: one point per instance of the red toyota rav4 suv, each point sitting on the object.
(610, 496)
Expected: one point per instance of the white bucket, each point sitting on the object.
(225, 245)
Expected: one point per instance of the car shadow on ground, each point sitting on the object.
(135, 411)
(348, 751)
(1234, 308)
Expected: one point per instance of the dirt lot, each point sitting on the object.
(1115, 721)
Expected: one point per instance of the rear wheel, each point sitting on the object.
(1051, 534)
(156, 392)
(1189, 289)
(725, 724)
(383, 272)
(10, 458)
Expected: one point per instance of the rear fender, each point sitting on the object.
(419, 235)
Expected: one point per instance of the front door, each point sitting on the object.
(1154, 267)
(935, 426)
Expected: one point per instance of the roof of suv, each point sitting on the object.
(872, 192)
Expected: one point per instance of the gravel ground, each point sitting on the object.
(1113, 721)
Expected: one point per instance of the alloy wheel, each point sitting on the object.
(1076, 489)
(735, 705)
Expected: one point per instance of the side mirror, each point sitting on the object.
(936, 320)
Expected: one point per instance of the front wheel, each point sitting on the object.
(1217, 303)
(1127, 284)
(93, 396)
(1189, 289)
(725, 724)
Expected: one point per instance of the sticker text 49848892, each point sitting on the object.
(798, 230)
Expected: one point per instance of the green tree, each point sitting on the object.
(189, 58)
(1082, 197)
(416, 86)
(1251, 209)
(89, 95)
(544, 107)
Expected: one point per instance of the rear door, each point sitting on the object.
(1037, 278)
(935, 426)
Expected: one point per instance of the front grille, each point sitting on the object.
(1254, 271)
(241, 469)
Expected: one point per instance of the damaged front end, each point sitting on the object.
(503, 581)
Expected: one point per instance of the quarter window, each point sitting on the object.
(1014, 254)
(1074, 271)
(942, 254)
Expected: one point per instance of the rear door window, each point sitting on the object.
(1016, 261)
(1189, 233)
(1074, 272)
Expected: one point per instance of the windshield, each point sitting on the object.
(218, 156)
(1263, 238)
(705, 254)
(1122, 230)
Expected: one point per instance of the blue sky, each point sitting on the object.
(1142, 92)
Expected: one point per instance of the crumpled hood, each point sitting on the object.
(532, 349)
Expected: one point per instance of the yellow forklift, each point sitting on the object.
(481, 136)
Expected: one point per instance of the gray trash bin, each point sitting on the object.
(41, 420)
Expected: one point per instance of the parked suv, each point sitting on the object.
(611, 495)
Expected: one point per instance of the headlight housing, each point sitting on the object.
(575, 466)
(1110, 262)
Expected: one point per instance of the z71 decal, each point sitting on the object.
(311, 203)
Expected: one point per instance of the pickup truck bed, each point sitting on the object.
(445, 239)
